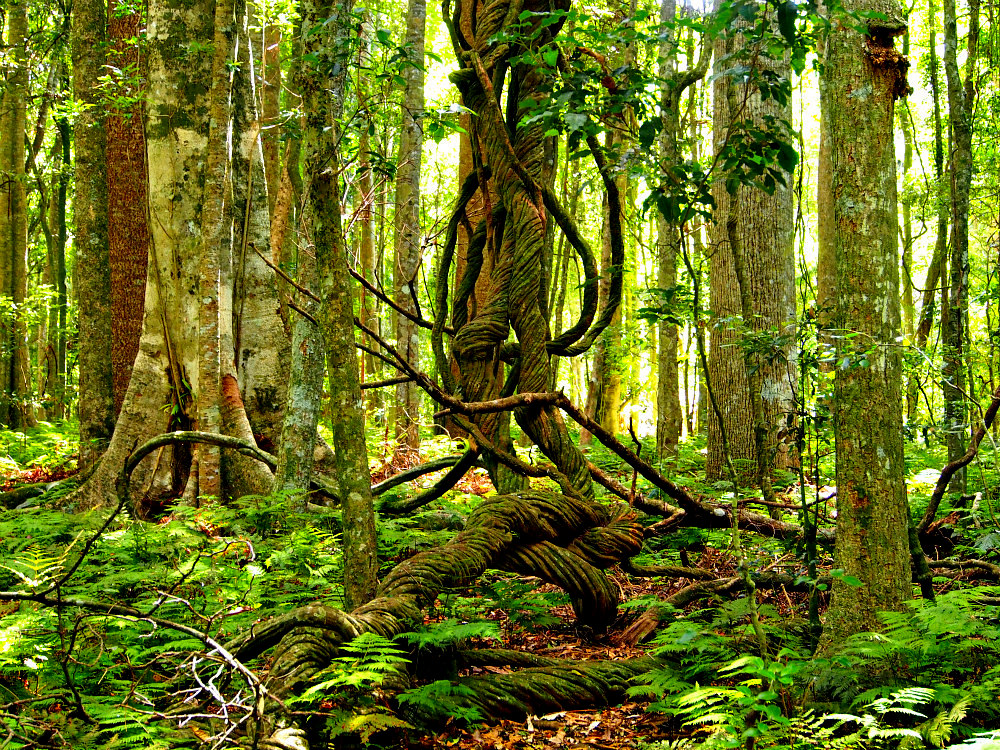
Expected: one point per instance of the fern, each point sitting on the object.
(36, 568)
(451, 632)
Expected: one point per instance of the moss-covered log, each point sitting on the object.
(541, 690)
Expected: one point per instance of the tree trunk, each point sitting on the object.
(872, 520)
(128, 232)
(604, 385)
(56, 376)
(668, 237)
(939, 262)
(175, 382)
(909, 312)
(960, 102)
(408, 233)
(764, 224)
(322, 87)
(92, 271)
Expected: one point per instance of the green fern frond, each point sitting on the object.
(450, 632)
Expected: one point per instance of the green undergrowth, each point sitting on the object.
(47, 447)
(930, 678)
(75, 677)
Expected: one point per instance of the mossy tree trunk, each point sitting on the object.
(322, 86)
(92, 272)
(872, 521)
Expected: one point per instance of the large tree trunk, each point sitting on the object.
(764, 225)
(408, 234)
(872, 519)
(190, 345)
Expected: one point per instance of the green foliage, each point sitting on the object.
(46, 445)
(949, 645)
(352, 684)
(451, 632)
(364, 663)
(525, 607)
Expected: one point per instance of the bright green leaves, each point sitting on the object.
(441, 122)
(760, 157)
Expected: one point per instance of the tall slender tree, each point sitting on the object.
(92, 276)
(961, 100)
(668, 235)
(408, 235)
(322, 85)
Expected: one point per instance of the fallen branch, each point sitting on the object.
(465, 462)
(415, 472)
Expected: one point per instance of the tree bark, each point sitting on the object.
(92, 271)
(128, 231)
(408, 233)
(764, 223)
(322, 86)
(173, 375)
(872, 520)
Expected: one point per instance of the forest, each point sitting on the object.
(505, 374)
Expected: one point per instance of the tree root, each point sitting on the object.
(540, 690)
(562, 539)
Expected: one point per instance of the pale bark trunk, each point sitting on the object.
(305, 392)
(408, 234)
(259, 338)
(872, 521)
(269, 58)
(254, 330)
(764, 223)
(174, 373)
